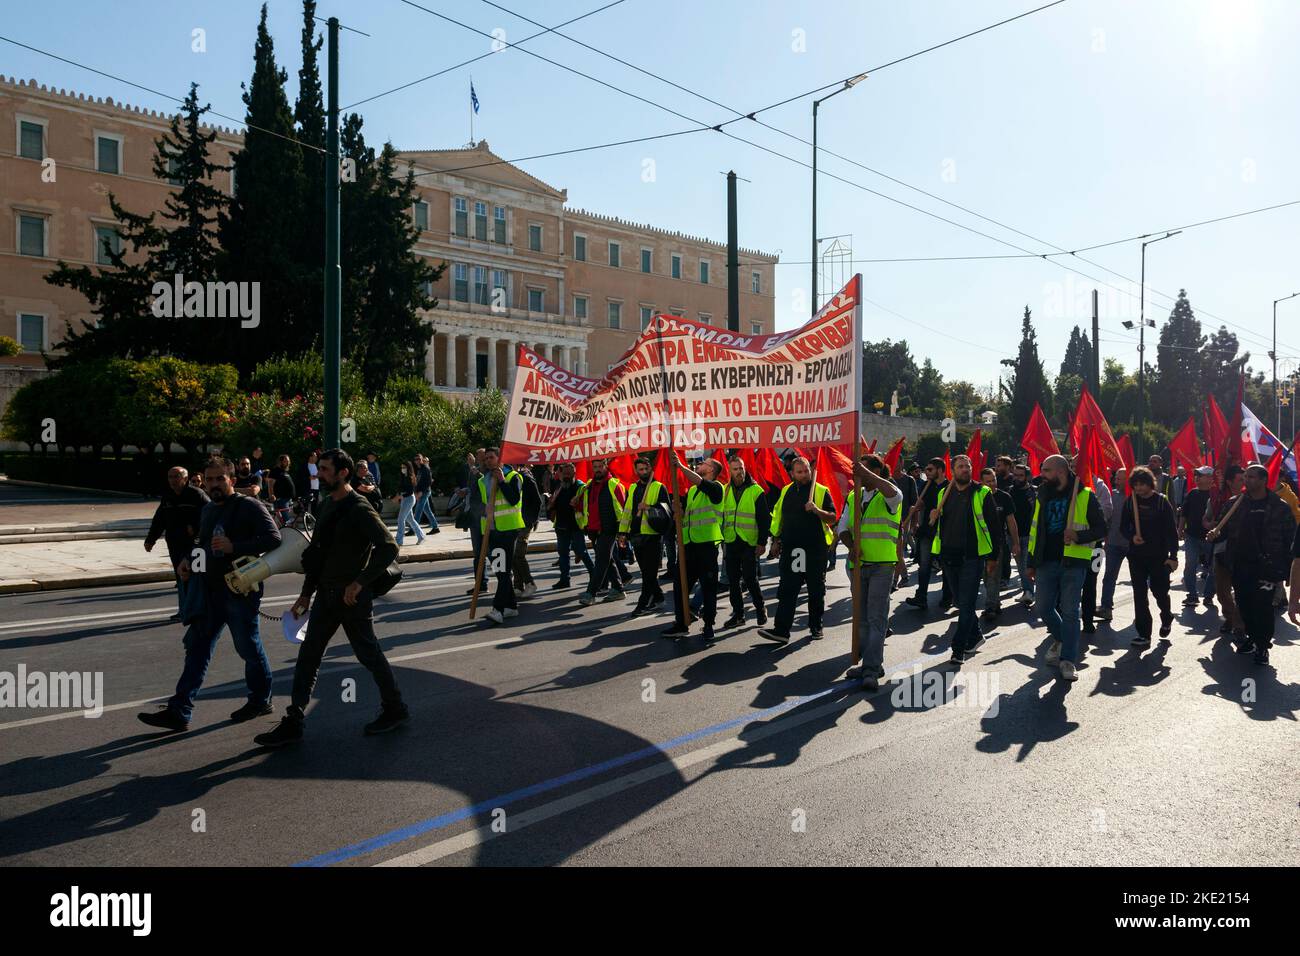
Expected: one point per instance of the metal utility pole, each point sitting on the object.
(848, 85)
(1096, 347)
(733, 257)
(333, 271)
(1142, 365)
(1273, 356)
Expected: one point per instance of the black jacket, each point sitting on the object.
(1094, 534)
(1159, 537)
(177, 520)
(1275, 544)
(350, 543)
(248, 525)
(532, 497)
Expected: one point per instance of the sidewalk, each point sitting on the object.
(56, 565)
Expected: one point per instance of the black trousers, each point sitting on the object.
(501, 557)
(1153, 576)
(1256, 608)
(358, 621)
(701, 568)
(606, 573)
(792, 581)
(1088, 606)
(742, 575)
(647, 548)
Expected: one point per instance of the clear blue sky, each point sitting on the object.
(1092, 121)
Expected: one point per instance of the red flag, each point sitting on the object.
(834, 470)
(1275, 467)
(891, 457)
(772, 468)
(663, 467)
(720, 456)
(1216, 432)
(1088, 413)
(975, 455)
(582, 470)
(750, 462)
(623, 468)
(1185, 448)
(1125, 446)
(1238, 452)
(1089, 462)
(947, 464)
(1038, 440)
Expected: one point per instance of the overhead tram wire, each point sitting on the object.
(483, 56)
(166, 96)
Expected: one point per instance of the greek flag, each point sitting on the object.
(473, 97)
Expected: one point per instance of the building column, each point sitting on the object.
(581, 364)
(512, 347)
(449, 360)
(492, 362)
(430, 361)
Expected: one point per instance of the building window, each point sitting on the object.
(647, 313)
(461, 292)
(706, 318)
(756, 282)
(680, 313)
(580, 248)
(579, 306)
(462, 217)
(480, 221)
(31, 235)
(500, 281)
(534, 237)
(31, 332)
(755, 328)
(421, 215)
(616, 315)
(535, 300)
(646, 259)
(704, 271)
(499, 224)
(31, 140)
(677, 266)
(615, 254)
(108, 154)
(427, 288)
(106, 236)
(173, 166)
(480, 285)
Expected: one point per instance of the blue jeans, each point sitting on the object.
(572, 541)
(1022, 565)
(405, 516)
(874, 623)
(1060, 589)
(1193, 550)
(963, 576)
(1115, 555)
(225, 609)
(424, 509)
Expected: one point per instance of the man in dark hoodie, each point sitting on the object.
(1259, 533)
(1060, 551)
(177, 522)
(1152, 551)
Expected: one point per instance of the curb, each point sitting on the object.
(93, 491)
(158, 577)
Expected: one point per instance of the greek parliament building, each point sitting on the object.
(522, 267)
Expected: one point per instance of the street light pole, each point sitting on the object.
(1273, 355)
(848, 85)
(1142, 335)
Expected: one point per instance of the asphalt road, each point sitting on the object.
(573, 735)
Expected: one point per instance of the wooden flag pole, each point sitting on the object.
(1224, 520)
(855, 653)
(678, 511)
(489, 522)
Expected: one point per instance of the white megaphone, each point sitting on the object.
(247, 571)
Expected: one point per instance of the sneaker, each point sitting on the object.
(1025, 599)
(978, 643)
(676, 632)
(708, 633)
(528, 590)
(1245, 645)
(659, 602)
(1189, 599)
(509, 612)
(586, 599)
(288, 731)
(1089, 627)
(734, 621)
(390, 718)
(1140, 641)
(958, 658)
(667, 576)
(770, 635)
(1053, 655)
(761, 617)
(251, 710)
(945, 607)
(166, 719)
(870, 684)
(495, 616)
(560, 585)
(815, 632)
(1166, 625)
(435, 531)
(1103, 614)
(1261, 656)
(1069, 671)
(916, 602)
(614, 595)
(1209, 603)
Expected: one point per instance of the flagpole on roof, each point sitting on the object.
(471, 110)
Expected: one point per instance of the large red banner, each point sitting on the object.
(686, 384)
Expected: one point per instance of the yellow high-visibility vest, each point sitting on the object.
(820, 496)
(982, 537)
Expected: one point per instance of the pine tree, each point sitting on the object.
(260, 236)
(1076, 369)
(1177, 388)
(309, 120)
(1221, 366)
(1029, 380)
(182, 242)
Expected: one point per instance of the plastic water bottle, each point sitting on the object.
(219, 531)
